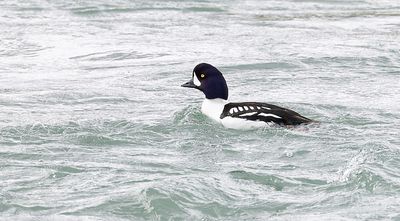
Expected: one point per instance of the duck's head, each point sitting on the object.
(209, 80)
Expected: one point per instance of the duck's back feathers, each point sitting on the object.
(255, 111)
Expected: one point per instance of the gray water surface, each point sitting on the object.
(95, 126)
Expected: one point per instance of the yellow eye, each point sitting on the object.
(202, 75)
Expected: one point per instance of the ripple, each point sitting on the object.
(205, 9)
(84, 133)
(329, 15)
(269, 180)
(94, 124)
(112, 56)
(263, 66)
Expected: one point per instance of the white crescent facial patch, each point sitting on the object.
(196, 80)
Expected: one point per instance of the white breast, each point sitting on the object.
(213, 108)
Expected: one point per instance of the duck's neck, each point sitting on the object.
(213, 108)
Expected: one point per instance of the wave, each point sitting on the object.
(337, 15)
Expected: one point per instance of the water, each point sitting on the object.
(95, 126)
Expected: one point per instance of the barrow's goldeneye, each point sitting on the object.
(241, 115)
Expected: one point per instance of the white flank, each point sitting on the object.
(267, 108)
(246, 108)
(251, 107)
(242, 124)
(214, 107)
(240, 108)
(269, 115)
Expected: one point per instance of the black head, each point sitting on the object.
(208, 79)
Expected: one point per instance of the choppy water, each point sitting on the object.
(94, 124)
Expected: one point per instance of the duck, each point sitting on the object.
(237, 115)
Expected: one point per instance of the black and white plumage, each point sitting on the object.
(242, 115)
(268, 113)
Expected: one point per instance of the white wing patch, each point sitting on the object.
(253, 109)
(251, 113)
(248, 114)
(269, 115)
